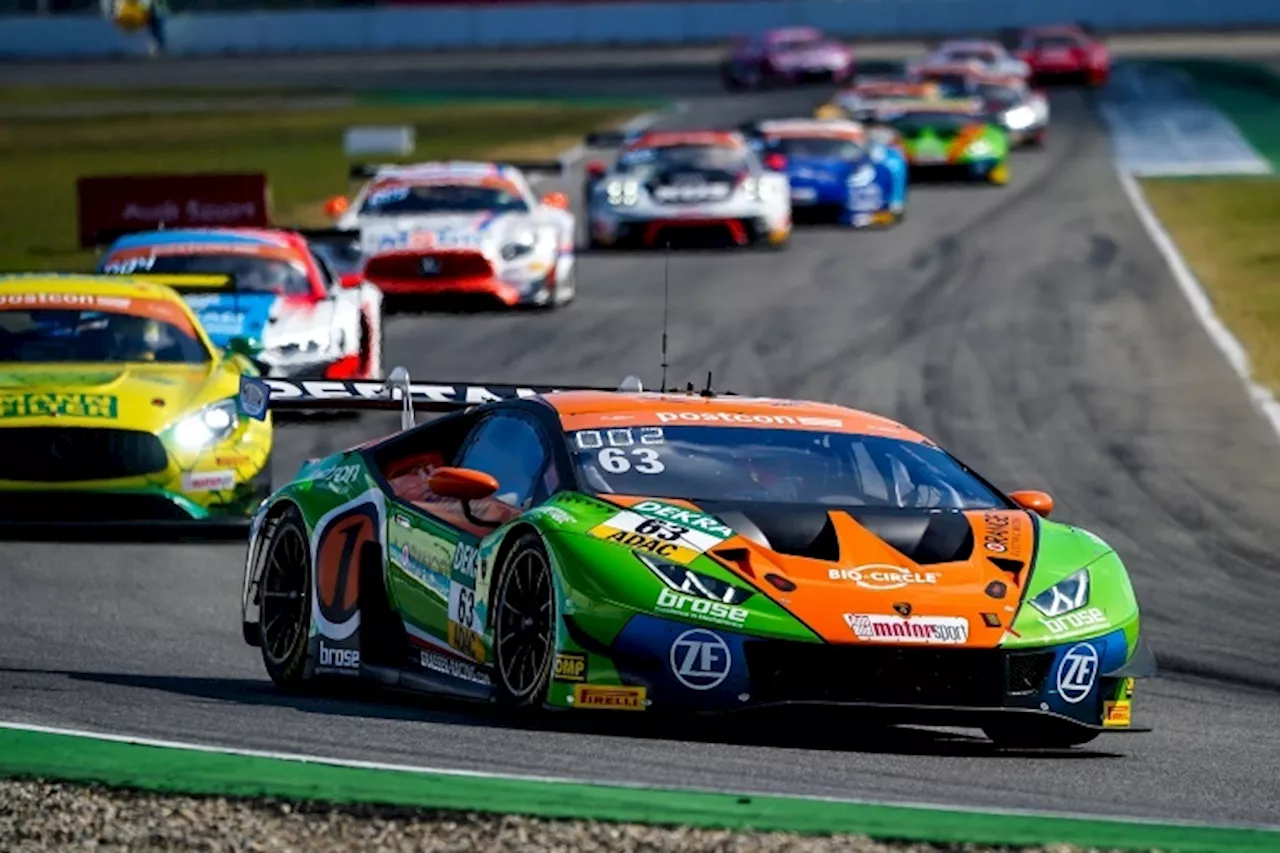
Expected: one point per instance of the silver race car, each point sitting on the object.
(692, 187)
(460, 229)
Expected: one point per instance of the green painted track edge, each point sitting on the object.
(175, 770)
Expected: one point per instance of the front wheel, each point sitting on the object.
(284, 591)
(524, 635)
(1038, 734)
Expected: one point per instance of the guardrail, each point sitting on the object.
(509, 24)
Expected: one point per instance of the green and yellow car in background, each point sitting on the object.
(951, 138)
(116, 407)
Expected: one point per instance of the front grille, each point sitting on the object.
(804, 672)
(87, 507)
(65, 454)
(1026, 671)
(428, 266)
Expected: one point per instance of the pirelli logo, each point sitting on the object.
(609, 698)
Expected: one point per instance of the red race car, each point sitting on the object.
(1064, 53)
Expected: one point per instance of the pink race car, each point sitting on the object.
(786, 56)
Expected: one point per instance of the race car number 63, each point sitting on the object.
(645, 460)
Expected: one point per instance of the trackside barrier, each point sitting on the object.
(499, 25)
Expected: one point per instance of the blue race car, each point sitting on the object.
(837, 173)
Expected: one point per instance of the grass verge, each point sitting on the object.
(301, 151)
(1227, 229)
(174, 770)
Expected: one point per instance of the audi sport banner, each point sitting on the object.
(118, 204)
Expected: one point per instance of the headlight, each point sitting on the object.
(863, 176)
(754, 188)
(1066, 595)
(522, 243)
(1020, 118)
(211, 424)
(981, 148)
(689, 582)
(623, 193)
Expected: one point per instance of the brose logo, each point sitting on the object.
(1073, 622)
(571, 667)
(712, 611)
(339, 658)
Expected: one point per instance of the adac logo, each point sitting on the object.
(338, 562)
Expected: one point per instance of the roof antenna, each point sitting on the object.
(666, 300)
(707, 392)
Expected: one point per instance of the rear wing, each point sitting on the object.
(189, 282)
(257, 396)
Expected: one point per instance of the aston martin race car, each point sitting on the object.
(266, 288)
(115, 406)
(462, 228)
(696, 187)
(836, 172)
(949, 139)
(596, 550)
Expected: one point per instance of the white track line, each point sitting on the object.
(1221, 336)
(633, 786)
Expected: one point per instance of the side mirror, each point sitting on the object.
(560, 201)
(246, 347)
(336, 206)
(351, 280)
(1038, 502)
(465, 484)
(596, 169)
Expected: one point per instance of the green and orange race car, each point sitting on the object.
(595, 549)
(948, 138)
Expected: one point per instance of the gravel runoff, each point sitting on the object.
(38, 816)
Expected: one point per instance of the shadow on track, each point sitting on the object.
(825, 729)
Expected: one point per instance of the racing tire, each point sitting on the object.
(284, 593)
(1038, 734)
(524, 629)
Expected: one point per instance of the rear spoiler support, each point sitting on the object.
(258, 395)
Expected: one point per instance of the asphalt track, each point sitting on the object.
(1031, 329)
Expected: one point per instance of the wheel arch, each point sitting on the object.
(260, 534)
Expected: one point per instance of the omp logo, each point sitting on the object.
(340, 658)
(714, 611)
(571, 667)
(741, 418)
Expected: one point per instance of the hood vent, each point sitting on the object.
(800, 530)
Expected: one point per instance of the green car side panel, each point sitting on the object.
(1062, 551)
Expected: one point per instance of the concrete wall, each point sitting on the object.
(601, 23)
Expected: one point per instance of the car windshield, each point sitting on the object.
(252, 273)
(95, 336)
(913, 124)
(1001, 94)
(774, 466)
(642, 161)
(401, 199)
(817, 148)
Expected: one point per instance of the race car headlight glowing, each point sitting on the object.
(753, 188)
(689, 582)
(1068, 594)
(211, 424)
(1020, 118)
(981, 148)
(522, 243)
(623, 193)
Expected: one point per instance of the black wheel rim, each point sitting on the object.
(526, 610)
(282, 613)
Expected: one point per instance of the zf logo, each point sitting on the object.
(466, 561)
(700, 660)
(1077, 672)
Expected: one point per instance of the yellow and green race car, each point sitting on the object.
(116, 407)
